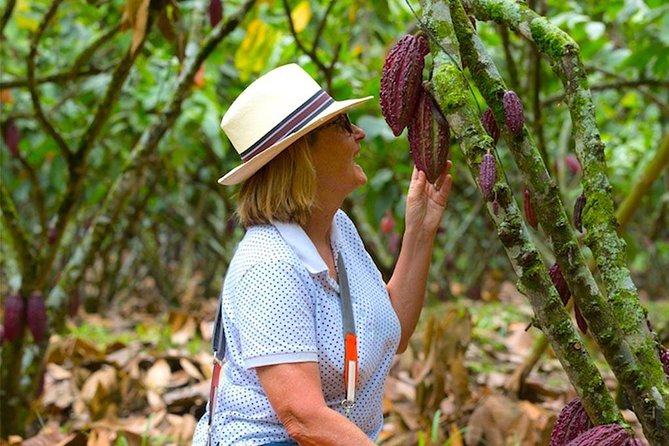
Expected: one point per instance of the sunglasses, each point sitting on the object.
(342, 121)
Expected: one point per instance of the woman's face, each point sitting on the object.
(334, 151)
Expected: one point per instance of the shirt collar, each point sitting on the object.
(301, 244)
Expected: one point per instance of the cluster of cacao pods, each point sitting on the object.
(571, 422)
(406, 102)
(574, 428)
(18, 312)
(563, 291)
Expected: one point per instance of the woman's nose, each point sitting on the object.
(358, 133)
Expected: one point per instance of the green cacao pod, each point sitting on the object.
(604, 435)
(513, 112)
(36, 312)
(572, 422)
(14, 317)
(401, 81)
(487, 175)
(429, 137)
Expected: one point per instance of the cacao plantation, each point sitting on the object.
(115, 238)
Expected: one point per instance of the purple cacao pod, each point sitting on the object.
(513, 112)
(401, 81)
(429, 137)
(490, 125)
(14, 317)
(37, 321)
(604, 435)
(530, 216)
(664, 358)
(215, 12)
(580, 321)
(487, 175)
(572, 422)
(572, 164)
(578, 212)
(560, 283)
(12, 135)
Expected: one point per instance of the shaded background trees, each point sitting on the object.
(109, 126)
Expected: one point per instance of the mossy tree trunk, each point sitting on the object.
(627, 344)
(451, 91)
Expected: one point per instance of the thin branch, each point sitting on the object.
(56, 78)
(510, 63)
(322, 23)
(38, 193)
(309, 52)
(32, 86)
(17, 235)
(537, 121)
(620, 85)
(5, 17)
(85, 56)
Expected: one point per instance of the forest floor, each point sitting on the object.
(139, 377)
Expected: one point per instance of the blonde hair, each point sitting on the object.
(283, 190)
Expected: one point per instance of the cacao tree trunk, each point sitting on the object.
(451, 92)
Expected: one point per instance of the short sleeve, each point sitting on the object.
(275, 316)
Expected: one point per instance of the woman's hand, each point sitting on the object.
(426, 202)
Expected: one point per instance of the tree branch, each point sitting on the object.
(9, 9)
(116, 197)
(56, 78)
(32, 85)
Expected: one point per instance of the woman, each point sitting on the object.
(302, 296)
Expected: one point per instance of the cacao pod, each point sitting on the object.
(530, 216)
(560, 284)
(387, 224)
(490, 125)
(513, 112)
(14, 317)
(215, 12)
(487, 175)
(473, 20)
(572, 164)
(664, 358)
(12, 135)
(572, 422)
(604, 435)
(578, 212)
(429, 137)
(582, 324)
(495, 207)
(401, 81)
(37, 316)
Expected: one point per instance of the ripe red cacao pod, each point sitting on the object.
(429, 137)
(387, 223)
(215, 12)
(530, 216)
(490, 125)
(11, 135)
(664, 358)
(513, 112)
(14, 317)
(580, 321)
(487, 175)
(401, 81)
(560, 283)
(578, 212)
(572, 422)
(604, 435)
(37, 321)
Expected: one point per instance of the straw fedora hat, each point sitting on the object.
(273, 112)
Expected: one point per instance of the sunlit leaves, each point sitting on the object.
(301, 15)
(256, 48)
